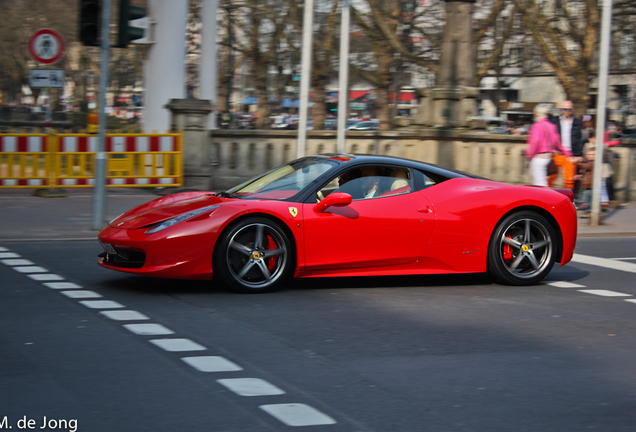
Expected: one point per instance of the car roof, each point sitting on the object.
(354, 159)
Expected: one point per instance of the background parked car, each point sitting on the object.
(364, 126)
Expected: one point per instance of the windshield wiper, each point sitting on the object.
(224, 194)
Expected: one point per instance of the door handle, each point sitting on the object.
(425, 209)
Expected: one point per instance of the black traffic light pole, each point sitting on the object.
(99, 192)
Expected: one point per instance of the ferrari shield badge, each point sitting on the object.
(293, 211)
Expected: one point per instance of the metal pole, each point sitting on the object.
(99, 192)
(343, 92)
(606, 25)
(305, 77)
(208, 69)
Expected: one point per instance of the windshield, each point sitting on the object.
(286, 181)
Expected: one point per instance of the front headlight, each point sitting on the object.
(175, 220)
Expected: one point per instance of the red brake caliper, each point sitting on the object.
(271, 262)
(507, 251)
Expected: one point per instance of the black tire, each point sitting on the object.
(522, 249)
(255, 255)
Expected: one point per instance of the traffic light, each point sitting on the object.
(89, 25)
(128, 33)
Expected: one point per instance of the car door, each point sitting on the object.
(389, 229)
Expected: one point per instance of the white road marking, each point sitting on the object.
(605, 293)
(212, 364)
(62, 285)
(631, 300)
(148, 329)
(17, 262)
(125, 315)
(250, 387)
(43, 277)
(625, 259)
(604, 262)
(81, 294)
(102, 304)
(177, 345)
(564, 284)
(292, 414)
(4, 255)
(31, 269)
(295, 414)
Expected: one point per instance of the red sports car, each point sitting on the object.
(347, 215)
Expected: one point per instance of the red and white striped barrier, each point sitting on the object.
(124, 144)
(22, 144)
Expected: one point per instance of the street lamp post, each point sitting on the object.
(606, 24)
(305, 77)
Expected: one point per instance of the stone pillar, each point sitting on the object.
(164, 66)
(454, 99)
(191, 117)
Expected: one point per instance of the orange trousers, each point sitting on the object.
(567, 168)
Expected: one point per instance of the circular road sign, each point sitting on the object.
(46, 46)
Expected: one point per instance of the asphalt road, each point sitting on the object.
(98, 350)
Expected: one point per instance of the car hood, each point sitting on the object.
(163, 209)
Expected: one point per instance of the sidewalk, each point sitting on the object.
(25, 217)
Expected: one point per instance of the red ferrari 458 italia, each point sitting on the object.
(347, 215)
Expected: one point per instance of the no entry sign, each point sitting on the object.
(46, 46)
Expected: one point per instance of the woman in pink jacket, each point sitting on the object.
(543, 143)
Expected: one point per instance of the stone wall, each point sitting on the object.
(237, 155)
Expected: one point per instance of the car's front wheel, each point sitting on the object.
(522, 249)
(254, 255)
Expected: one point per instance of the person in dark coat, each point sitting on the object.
(569, 129)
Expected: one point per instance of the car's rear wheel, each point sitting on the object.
(522, 249)
(254, 255)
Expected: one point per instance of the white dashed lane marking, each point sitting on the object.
(4, 255)
(605, 293)
(295, 414)
(125, 315)
(62, 285)
(212, 364)
(563, 284)
(17, 262)
(291, 414)
(250, 387)
(80, 294)
(102, 304)
(178, 345)
(30, 269)
(148, 329)
(605, 262)
(45, 277)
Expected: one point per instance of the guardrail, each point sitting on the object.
(57, 160)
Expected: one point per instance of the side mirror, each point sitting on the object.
(335, 199)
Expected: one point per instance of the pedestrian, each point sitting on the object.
(543, 143)
(587, 177)
(569, 129)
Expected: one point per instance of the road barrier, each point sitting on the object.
(68, 160)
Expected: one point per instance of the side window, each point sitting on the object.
(430, 180)
(401, 181)
(370, 182)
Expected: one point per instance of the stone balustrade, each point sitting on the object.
(237, 155)
(219, 159)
